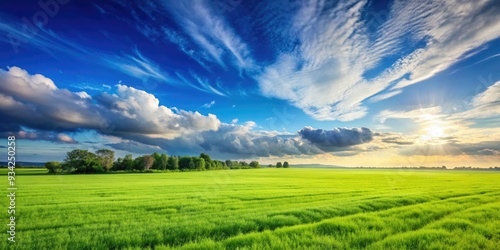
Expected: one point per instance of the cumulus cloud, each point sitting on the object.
(34, 101)
(243, 141)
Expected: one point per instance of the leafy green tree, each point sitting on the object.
(128, 162)
(285, 164)
(205, 157)
(144, 162)
(254, 164)
(54, 167)
(216, 164)
(163, 161)
(81, 161)
(278, 164)
(106, 157)
(186, 163)
(173, 163)
(229, 163)
(160, 161)
(157, 158)
(244, 164)
(199, 163)
(209, 163)
(118, 165)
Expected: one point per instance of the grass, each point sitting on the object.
(258, 209)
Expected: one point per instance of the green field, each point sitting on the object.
(258, 209)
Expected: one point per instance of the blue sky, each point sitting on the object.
(384, 83)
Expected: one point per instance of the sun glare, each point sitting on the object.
(432, 134)
(435, 131)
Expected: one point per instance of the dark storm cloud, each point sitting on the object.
(329, 140)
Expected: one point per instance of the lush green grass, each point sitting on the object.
(259, 209)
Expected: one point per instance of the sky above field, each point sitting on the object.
(352, 83)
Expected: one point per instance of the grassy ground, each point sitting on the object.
(258, 209)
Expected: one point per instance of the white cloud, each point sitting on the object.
(83, 95)
(325, 75)
(34, 101)
(485, 104)
(210, 32)
(137, 66)
(420, 114)
(209, 105)
(201, 84)
(384, 96)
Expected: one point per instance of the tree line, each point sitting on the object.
(81, 161)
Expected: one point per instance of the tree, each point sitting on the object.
(186, 163)
(173, 163)
(254, 164)
(270, 166)
(144, 162)
(157, 158)
(278, 164)
(209, 163)
(128, 162)
(160, 161)
(81, 161)
(229, 163)
(54, 167)
(220, 164)
(106, 158)
(118, 164)
(205, 157)
(285, 164)
(199, 163)
(163, 161)
(243, 164)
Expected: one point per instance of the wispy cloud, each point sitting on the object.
(209, 105)
(137, 66)
(341, 62)
(211, 33)
(485, 104)
(201, 84)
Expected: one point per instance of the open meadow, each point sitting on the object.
(258, 209)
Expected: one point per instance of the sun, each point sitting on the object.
(435, 131)
(432, 134)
